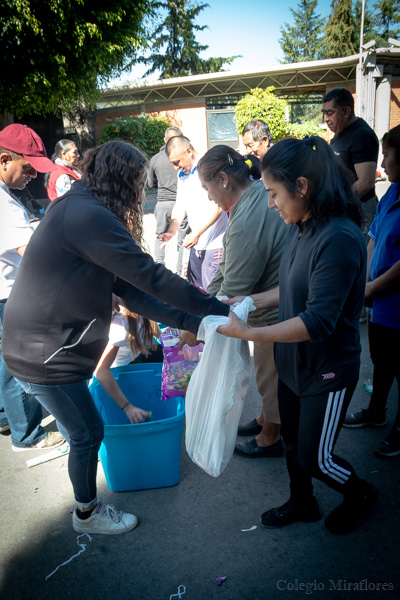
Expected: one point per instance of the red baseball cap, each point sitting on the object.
(21, 139)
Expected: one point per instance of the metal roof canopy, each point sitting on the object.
(288, 79)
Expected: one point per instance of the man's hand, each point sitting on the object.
(167, 239)
(190, 240)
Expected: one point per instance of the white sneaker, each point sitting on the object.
(105, 519)
(53, 439)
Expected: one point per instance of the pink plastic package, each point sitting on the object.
(178, 365)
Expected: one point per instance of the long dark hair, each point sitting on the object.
(223, 158)
(331, 192)
(141, 331)
(115, 172)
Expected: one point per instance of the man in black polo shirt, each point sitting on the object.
(356, 145)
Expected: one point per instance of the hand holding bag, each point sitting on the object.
(216, 393)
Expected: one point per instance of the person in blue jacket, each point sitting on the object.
(317, 343)
(57, 318)
(382, 294)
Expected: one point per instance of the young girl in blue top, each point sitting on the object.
(383, 295)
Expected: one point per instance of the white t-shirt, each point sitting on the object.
(118, 336)
(15, 231)
(199, 210)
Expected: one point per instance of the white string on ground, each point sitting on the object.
(181, 591)
(251, 528)
(83, 548)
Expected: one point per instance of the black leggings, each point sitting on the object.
(310, 427)
(384, 344)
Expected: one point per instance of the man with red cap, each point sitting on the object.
(22, 154)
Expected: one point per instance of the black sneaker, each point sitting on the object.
(391, 445)
(364, 418)
(290, 512)
(349, 514)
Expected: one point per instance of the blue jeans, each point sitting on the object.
(80, 423)
(21, 411)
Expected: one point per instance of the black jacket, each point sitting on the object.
(322, 280)
(58, 314)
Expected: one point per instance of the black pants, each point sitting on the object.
(310, 427)
(384, 344)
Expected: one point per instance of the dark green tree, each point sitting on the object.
(56, 52)
(386, 21)
(175, 50)
(303, 40)
(339, 30)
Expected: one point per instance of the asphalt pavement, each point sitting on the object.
(202, 529)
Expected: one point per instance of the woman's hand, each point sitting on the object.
(235, 328)
(136, 415)
(234, 300)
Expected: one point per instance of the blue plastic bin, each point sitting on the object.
(146, 455)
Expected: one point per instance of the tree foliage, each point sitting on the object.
(386, 21)
(57, 51)
(303, 41)
(339, 30)
(263, 104)
(175, 50)
(147, 133)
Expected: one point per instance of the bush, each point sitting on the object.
(263, 104)
(299, 130)
(147, 133)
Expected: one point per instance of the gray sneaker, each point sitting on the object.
(105, 519)
(52, 440)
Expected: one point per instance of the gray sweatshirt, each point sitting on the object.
(252, 250)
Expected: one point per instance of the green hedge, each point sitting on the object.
(147, 133)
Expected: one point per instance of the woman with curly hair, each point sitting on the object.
(89, 246)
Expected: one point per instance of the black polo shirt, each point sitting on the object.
(357, 144)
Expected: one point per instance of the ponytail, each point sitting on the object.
(223, 158)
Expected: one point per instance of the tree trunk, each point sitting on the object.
(81, 120)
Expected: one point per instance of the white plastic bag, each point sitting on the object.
(216, 394)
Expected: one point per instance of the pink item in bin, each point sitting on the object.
(178, 365)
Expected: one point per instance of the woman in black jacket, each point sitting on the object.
(89, 246)
(317, 343)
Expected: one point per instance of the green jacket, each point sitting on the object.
(252, 250)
